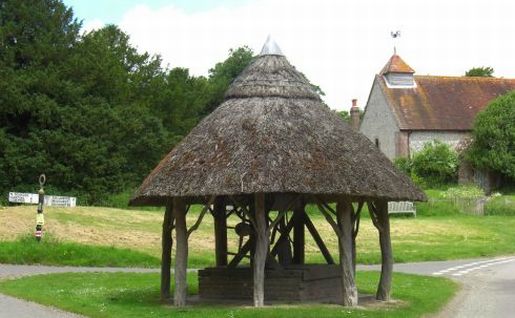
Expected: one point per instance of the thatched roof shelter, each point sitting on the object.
(274, 145)
(273, 134)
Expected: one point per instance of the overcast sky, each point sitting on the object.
(338, 44)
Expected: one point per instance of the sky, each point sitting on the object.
(339, 45)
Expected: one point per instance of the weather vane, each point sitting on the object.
(395, 35)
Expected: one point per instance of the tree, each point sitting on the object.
(493, 135)
(344, 115)
(222, 75)
(483, 71)
(35, 37)
(76, 108)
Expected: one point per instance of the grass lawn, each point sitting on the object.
(436, 237)
(50, 251)
(137, 295)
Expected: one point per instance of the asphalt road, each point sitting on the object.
(488, 286)
(488, 290)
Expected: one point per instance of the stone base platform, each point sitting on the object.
(295, 283)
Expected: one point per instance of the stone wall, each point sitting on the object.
(417, 139)
(378, 122)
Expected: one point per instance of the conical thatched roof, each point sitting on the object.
(273, 134)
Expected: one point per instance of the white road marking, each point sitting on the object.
(450, 269)
(470, 267)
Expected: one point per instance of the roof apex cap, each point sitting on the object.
(270, 47)
(396, 65)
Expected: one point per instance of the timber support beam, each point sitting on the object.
(345, 232)
(381, 220)
(220, 219)
(299, 233)
(261, 248)
(318, 240)
(181, 253)
(166, 256)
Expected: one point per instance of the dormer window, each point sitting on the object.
(401, 80)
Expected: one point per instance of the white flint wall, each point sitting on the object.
(379, 123)
(417, 139)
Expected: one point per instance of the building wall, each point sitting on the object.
(379, 122)
(417, 139)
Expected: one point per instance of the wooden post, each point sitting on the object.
(261, 249)
(181, 253)
(220, 220)
(299, 234)
(166, 256)
(385, 282)
(344, 217)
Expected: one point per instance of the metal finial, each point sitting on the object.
(395, 35)
(270, 47)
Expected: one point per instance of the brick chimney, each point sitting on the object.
(354, 115)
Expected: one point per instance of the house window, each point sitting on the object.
(377, 142)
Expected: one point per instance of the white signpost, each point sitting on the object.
(50, 200)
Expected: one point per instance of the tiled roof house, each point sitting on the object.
(404, 110)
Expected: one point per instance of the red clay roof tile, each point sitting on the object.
(443, 102)
(396, 65)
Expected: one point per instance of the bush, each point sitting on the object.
(500, 205)
(468, 191)
(436, 163)
(403, 164)
(437, 207)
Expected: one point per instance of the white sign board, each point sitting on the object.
(50, 200)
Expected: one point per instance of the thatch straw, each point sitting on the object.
(272, 134)
(271, 76)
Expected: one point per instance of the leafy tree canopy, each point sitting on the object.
(344, 114)
(221, 76)
(483, 71)
(493, 145)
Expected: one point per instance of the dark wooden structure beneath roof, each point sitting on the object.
(267, 151)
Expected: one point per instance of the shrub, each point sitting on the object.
(468, 191)
(403, 164)
(500, 205)
(436, 163)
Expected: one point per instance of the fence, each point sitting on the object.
(478, 205)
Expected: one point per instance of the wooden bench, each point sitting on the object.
(402, 207)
